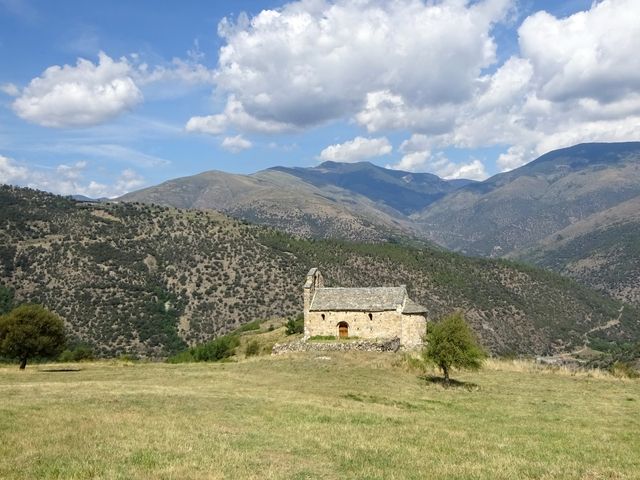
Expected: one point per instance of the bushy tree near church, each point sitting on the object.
(450, 343)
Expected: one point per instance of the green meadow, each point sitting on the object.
(314, 416)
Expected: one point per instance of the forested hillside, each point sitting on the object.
(143, 279)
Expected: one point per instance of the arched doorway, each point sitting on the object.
(343, 330)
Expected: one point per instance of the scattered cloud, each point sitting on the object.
(67, 179)
(440, 165)
(189, 72)
(591, 54)
(356, 150)
(87, 93)
(10, 89)
(79, 96)
(236, 144)
(235, 116)
(573, 79)
(211, 124)
(10, 172)
(515, 157)
(419, 158)
(128, 180)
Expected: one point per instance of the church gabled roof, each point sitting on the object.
(412, 307)
(375, 299)
(369, 299)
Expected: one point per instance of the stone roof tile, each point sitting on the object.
(371, 299)
(412, 307)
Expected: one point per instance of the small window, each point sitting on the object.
(322, 316)
(371, 316)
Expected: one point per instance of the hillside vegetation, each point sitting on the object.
(535, 212)
(334, 416)
(602, 251)
(148, 280)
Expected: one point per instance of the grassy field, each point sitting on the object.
(310, 416)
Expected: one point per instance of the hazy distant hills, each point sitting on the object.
(357, 201)
(404, 192)
(514, 210)
(143, 279)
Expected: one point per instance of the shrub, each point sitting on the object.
(624, 370)
(218, 349)
(213, 351)
(295, 325)
(252, 348)
(78, 354)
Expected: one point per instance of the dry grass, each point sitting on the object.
(528, 366)
(309, 416)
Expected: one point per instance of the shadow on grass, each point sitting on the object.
(61, 370)
(451, 384)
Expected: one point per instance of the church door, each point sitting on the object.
(343, 329)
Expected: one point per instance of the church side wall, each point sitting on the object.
(414, 328)
(381, 325)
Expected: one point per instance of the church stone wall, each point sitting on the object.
(381, 325)
(414, 328)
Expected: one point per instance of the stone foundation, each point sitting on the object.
(390, 345)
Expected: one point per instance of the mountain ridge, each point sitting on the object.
(507, 215)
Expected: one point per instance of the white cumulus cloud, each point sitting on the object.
(439, 164)
(236, 144)
(81, 95)
(314, 61)
(360, 148)
(590, 54)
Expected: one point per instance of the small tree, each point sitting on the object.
(295, 325)
(450, 343)
(31, 331)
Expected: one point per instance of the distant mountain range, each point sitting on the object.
(571, 210)
(512, 211)
(354, 201)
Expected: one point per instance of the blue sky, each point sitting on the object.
(100, 98)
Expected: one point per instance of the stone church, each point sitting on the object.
(367, 313)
